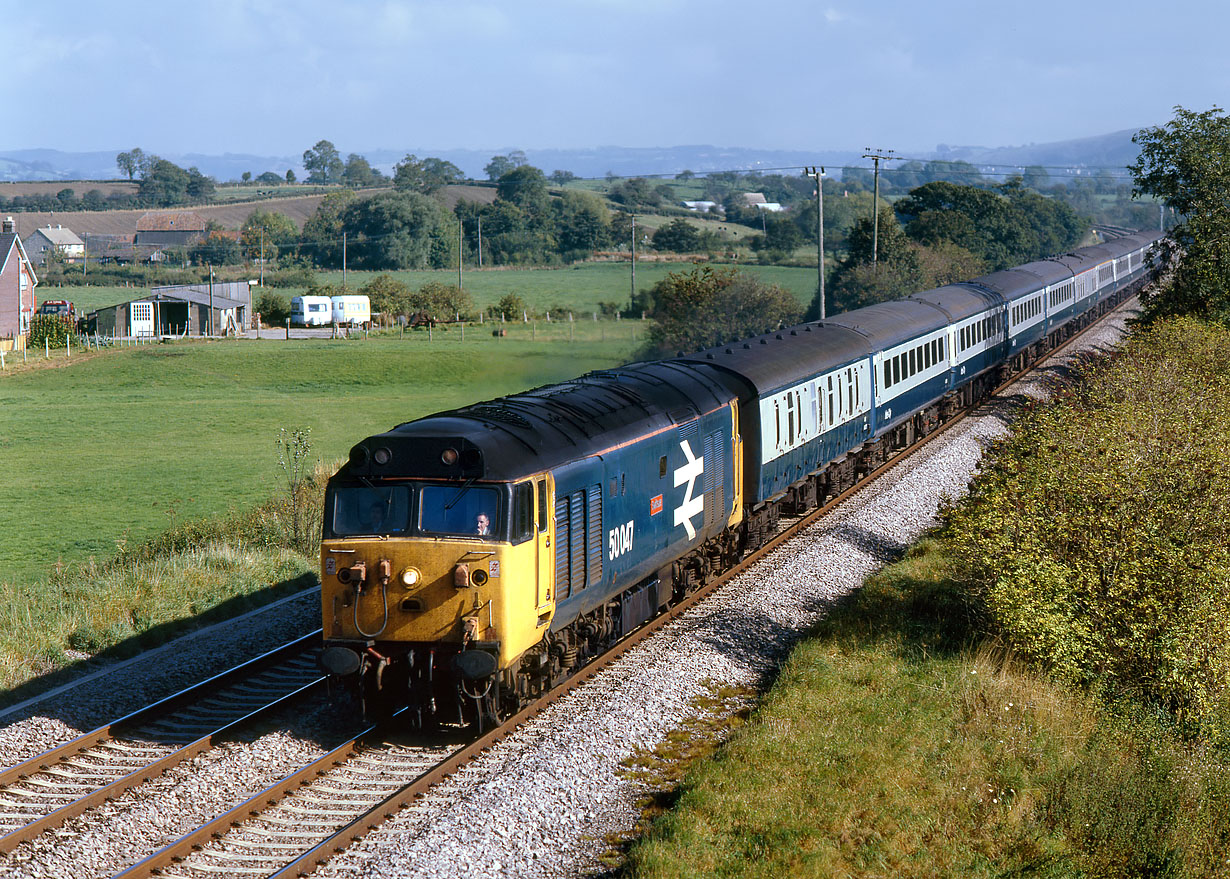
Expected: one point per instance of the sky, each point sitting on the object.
(272, 77)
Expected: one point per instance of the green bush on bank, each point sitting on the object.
(48, 331)
(1099, 535)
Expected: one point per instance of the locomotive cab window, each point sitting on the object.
(375, 510)
(523, 512)
(453, 509)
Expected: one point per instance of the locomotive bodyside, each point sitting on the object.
(461, 552)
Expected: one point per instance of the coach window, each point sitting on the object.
(897, 369)
(888, 374)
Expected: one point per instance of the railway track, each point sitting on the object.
(298, 824)
(42, 793)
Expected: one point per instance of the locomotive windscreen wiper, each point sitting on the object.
(460, 493)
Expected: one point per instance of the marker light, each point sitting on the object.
(411, 577)
(449, 456)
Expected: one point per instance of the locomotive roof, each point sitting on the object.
(512, 437)
(774, 360)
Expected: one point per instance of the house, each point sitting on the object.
(182, 310)
(703, 207)
(170, 228)
(41, 242)
(17, 283)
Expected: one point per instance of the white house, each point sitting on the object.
(40, 242)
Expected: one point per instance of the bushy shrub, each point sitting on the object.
(1099, 536)
(274, 308)
(48, 330)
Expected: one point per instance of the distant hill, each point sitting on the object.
(1114, 150)
(1109, 150)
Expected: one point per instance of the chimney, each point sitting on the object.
(9, 226)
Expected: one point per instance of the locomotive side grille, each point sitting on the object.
(562, 556)
(576, 540)
(593, 533)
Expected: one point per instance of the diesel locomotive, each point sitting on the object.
(472, 558)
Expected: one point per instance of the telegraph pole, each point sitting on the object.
(480, 241)
(877, 155)
(632, 300)
(818, 174)
(460, 245)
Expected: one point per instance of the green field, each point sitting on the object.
(122, 445)
(579, 287)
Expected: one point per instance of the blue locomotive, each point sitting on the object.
(471, 558)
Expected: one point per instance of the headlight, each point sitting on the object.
(411, 577)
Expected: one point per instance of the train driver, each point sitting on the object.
(483, 524)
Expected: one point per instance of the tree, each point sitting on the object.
(526, 187)
(706, 306)
(246, 177)
(685, 174)
(130, 162)
(272, 230)
(426, 176)
(562, 177)
(359, 172)
(1036, 177)
(322, 233)
(216, 248)
(290, 175)
(444, 302)
(165, 184)
(1183, 165)
(199, 186)
(498, 167)
(389, 296)
(581, 222)
(323, 163)
(859, 281)
(270, 178)
(678, 236)
(398, 230)
(636, 192)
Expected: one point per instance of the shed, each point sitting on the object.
(185, 311)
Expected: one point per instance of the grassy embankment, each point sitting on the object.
(908, 737)
(108, 452)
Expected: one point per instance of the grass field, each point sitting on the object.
(579, 287)
(119, 446)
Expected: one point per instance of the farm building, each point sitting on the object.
(177, 311)
(51, 239)
(169, 228)
(17, 283)
(120, 250)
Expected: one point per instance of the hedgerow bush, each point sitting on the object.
(47, 330)
(1098, 536)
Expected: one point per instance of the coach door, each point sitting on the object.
(544, 489)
